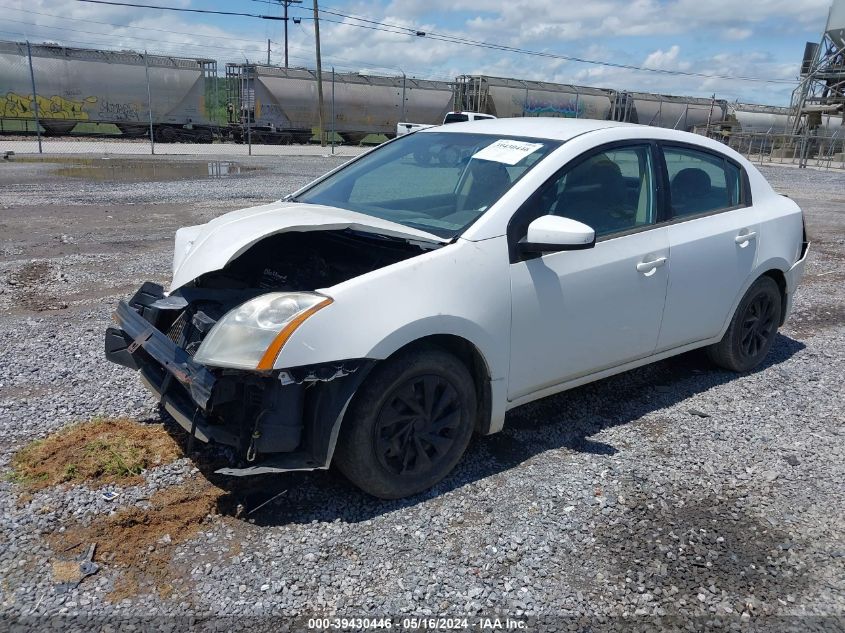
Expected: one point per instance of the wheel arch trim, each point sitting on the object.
(473, 346)
(773, 267)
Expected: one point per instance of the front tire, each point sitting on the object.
(752, 329)
(408, 425)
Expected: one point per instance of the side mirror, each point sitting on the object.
(553, 233)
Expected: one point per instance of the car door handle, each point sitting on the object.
(647, 267)
(742, 238)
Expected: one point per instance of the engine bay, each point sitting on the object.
(302, 261)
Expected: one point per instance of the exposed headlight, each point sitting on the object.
(252, 335)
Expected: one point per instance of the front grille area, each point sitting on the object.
(186, 332)
(176, 333)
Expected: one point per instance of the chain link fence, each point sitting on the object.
(822, 151)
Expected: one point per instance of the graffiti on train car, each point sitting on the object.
(269, 111)
(571, 108)
(114, 111)
(18, 106)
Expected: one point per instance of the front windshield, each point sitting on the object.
(437, 182)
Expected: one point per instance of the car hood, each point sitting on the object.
(208, 247)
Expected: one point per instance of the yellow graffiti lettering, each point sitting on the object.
(16, 106)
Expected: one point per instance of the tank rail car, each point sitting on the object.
(78, 85)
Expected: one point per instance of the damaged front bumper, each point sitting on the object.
(274, 421)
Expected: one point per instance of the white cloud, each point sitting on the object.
(80, 24)
(666, 60)
(736, 34)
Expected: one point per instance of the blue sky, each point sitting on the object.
(762, 39)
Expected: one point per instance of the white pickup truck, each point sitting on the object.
(403, 128)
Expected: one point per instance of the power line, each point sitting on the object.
(428, 73)
(165, 48)
(177, 48)
(152, 6)
(376, 25)
(122, 35)
(117, 37)
(125, 26)
(133, 26)
(405, 30)
(171, 32)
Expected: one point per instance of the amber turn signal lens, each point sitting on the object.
(269, 359)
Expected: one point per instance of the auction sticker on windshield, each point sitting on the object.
(507, 151)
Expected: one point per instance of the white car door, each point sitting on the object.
(577, 312)
(713, 243)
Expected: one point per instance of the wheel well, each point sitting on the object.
(472, 359)
(780, 280)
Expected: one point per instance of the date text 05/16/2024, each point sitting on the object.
(418, 624)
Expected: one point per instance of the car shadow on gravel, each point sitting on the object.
(563, 421)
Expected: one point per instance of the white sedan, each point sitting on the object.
(381, 315)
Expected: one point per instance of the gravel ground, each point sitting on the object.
(676, 494)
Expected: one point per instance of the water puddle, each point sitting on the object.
(134, 170)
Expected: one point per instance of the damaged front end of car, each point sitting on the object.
(208, 349)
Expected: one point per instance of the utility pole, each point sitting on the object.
(710, 115)
(35, 94)
(149, 105)
(268, 51)
(402, 115)
(286, 4)
(319, 74)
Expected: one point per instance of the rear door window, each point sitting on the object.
(700, 182)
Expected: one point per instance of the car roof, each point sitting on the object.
(554, 128)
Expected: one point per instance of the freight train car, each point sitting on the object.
(503, 97)
(80, 85)
(281, 104)
(763, 119)
(516, 97)
(759, 119)
(751, 118)
(669, 111)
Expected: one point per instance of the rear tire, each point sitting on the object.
(408, 425)
(752, 329)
